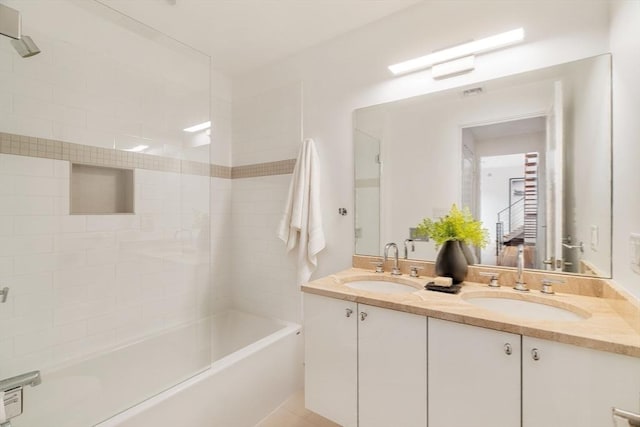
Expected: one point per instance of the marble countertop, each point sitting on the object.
(601, 328)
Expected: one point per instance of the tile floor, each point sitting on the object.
(292, 413)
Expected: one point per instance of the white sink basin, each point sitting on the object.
(381, 286)
(526, 308)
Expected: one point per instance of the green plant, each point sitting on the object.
(456, 225)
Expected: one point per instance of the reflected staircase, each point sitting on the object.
(518, 222)
(530, 198)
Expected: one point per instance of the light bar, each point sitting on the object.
(466, 49)
(196, 128)
(454, 67)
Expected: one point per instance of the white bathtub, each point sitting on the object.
(257, 365)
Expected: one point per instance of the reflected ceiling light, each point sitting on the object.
(137, 148)
(196, 128)
(466, 49)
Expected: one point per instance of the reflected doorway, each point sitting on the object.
(505, 187)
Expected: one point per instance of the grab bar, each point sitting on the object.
(30, 378)
(632, 417)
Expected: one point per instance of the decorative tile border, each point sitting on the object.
(109, 157)
(281, 167)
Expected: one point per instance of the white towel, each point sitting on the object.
(301, 222)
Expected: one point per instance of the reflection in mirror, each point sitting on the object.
(529, 154)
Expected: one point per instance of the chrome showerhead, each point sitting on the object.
(25, 46)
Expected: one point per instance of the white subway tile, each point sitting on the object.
(37, 186)
(6, 266)
(141, 328)
(83, 276)
(108, 256)
(61, 205)
(62, 170)
(25, 86)
(112, 222)
(73, 223)
(19, 325)
(114, 320)
(26, 125)
(41, 283)
(27, 106)
(6, 186)
(43, 340)
(36, 224)
(32, 303)
(6, 224)
(74, 295)
(22, 245)
(27, 205)
(6, 100)
(6, 348)
(84, 346)
(48, 262)
(76, 312)
(73, 242)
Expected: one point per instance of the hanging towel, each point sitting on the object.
(301, 222)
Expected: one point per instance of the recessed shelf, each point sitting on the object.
(97, 190)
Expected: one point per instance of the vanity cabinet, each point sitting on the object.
(565, 385)
(365, 366)
(474, 376)
(331, 358)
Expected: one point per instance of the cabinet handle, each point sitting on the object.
(535, 354)
(507, 349)
(363, 315)
(349, 312)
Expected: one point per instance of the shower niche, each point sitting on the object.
(99, 190)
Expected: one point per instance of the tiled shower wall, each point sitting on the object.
(81, 284)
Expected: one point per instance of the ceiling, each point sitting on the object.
(241, 35)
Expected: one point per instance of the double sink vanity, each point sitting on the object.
(380, 350)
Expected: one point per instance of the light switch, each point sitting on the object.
(634, 251)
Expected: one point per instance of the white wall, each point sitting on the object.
(350, 72)
(625, 45)
(588, 142)
(266, 127)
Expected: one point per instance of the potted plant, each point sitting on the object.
(452, 233)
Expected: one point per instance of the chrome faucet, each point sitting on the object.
(520, 285)
(395, 271)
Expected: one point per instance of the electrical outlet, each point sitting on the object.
(595, 238)
(634, 251)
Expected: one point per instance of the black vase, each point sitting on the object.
(468, 253)
(451, 261)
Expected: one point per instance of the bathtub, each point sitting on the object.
(257, 364)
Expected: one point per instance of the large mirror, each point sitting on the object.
(528, 154)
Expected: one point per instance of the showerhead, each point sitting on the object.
(25, 46)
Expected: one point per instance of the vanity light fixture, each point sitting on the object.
(198, 127)
(460, 51)
(453, 68)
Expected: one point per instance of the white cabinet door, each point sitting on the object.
(575, 386)
(331, 358)
(392, 368)
(474, 376)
